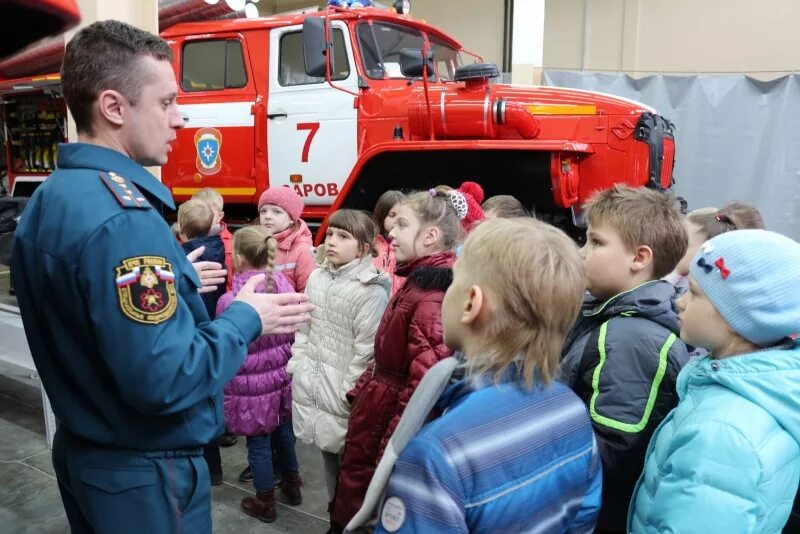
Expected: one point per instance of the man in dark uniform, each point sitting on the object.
(121, 339)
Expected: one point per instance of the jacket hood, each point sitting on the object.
(361, 269)
(768, 378)
(215, 248)
(653, 300)
(296, 235)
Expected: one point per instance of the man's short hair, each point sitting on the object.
(643, 216)
(211, 196)
(195, 218)
(535, 276)
(106, 55)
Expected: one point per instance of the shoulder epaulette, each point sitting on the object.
(126, 193)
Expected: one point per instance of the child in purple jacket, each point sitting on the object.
(258, 401)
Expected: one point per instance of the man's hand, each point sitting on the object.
(211, 273)
(280, 313)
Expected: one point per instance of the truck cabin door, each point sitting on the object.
(215, 148)
(312, 140)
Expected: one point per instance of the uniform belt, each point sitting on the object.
(168, 453)
(397, 380)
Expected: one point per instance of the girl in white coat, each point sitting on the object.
(332, 350)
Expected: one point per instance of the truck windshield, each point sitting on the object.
(381, 43)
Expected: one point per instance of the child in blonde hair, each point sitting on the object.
(214, 199)
(258, 401)
(409, 338)
(332, 351)
(727, 459)
(512, 451)
(195, 221)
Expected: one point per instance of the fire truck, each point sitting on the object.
(344, 104)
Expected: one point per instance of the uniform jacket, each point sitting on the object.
(332, 351)
(295, 259)
(502, 457)
(386, 261)
(622, 358)
(408, 342)
(215, 251)
(120, 336)
(727, 459)
(259, 398)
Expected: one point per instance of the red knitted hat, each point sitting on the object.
(285, 197)
(472, 194)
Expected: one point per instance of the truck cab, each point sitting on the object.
(258, 115)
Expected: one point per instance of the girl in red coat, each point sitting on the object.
(409, 338)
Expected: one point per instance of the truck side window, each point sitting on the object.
(293, 67)
(213, 65)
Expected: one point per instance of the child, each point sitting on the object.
(408, 342)
(195, 221)
(727, 459)
(332, 351)
(622, 357)
(384, 216)
(504, 207)
(279, 211)
(705, 223)
(214, 199)
(258, 400)
(513, 451)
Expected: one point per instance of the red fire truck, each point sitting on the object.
(344, 104)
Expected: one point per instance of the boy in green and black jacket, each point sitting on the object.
(623, 355)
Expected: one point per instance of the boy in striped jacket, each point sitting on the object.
(512, 451)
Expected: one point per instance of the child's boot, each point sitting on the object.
(262, 506)
(291, 488)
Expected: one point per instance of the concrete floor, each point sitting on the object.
(29, 498)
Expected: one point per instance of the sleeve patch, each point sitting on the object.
(146, 289)
(126, 193)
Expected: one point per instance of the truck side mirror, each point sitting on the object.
(315, 49)
(411, 62)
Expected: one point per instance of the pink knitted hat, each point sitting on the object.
(285, 197)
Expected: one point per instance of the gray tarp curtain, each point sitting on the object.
(737, 138)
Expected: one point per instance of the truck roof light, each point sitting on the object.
(403, 7)
(350, 3)
(251, 11)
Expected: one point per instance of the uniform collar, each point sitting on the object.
(88, 156)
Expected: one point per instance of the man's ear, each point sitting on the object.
(473, 306)
(111, 106)
(642, 258)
